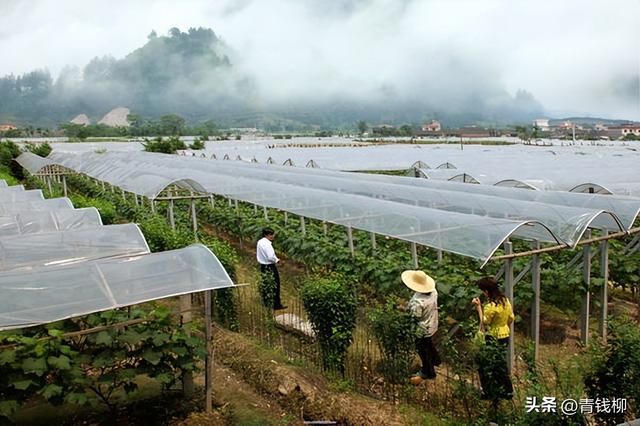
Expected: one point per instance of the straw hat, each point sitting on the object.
(418, 281)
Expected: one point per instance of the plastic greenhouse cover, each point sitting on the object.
(34, 222)
(625, 208)
(35, 205)
(460, 233)
(45, 294)
(146, 182)
(13, 196)
(601, 165)
(567, 223)
(72, 246)
(10, 189)
(3, 183)
(32, 163)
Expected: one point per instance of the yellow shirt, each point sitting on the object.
(497, 318)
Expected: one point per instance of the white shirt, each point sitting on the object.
(424, 306)
(265, 253)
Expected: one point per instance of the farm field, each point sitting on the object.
(347, 251)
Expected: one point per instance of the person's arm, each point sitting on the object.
(476, 301)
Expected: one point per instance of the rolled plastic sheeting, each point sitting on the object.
(47, 294)
(7, 208)
(72, 246)
(34, 222)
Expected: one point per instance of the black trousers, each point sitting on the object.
(428, 355)
(273, 270)
(492, 367)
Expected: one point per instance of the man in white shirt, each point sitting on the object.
(267, 259)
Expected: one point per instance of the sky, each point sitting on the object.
(575, 57)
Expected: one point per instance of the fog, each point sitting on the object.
(574, 57)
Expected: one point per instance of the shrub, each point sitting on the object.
(396, 333)
(267, 289)
(331, 305)
(615, 370)
(166, 146)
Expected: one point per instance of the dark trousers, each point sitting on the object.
(492, 367)
(271, 269)
(428, 355)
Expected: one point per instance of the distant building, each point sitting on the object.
(599, 127)
(7, 127)
(541, 124)
(616, 132)
(432, 126)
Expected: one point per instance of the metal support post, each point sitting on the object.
(303, 227)
(194, 217)
(212, 200)
(324, 228)
(352, 249)
(439, 253)
(255, 209)
(185, 316)
(586, 277)
(153, 206)
(604, 297)
(535, 303)
(266, 212)
(235, 202)
(414, 255)
(102, 182)
(508, 291)
(208, 375)
(49, 185)
(135, 198)
(374, 243)
(124, 197)
(172, 219)
(286, 218)
(64, 185)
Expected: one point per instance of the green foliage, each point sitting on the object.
(267, 289)
(615, 370)
(40, 361)
(107, 210)
(331, 305)
(396, 333)
(362, 126)
(197, 144)
(166, 146)
(9, 151)
(41, 149)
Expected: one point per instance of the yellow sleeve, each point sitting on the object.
(489, 311)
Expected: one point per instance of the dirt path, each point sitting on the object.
(300, 391)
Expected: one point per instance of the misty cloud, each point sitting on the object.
(575, 57)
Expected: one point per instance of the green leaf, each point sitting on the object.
(7, 356)
(77, 398)
(130, 336)
(104, 338)
(61, 362)
(7, 408)
(49, 391)
(22, 384)
(34, 365)
(152, 356)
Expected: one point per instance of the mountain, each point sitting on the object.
(192, 74)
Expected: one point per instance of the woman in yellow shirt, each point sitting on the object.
(495, 319)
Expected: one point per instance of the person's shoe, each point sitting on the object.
(279, 308)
